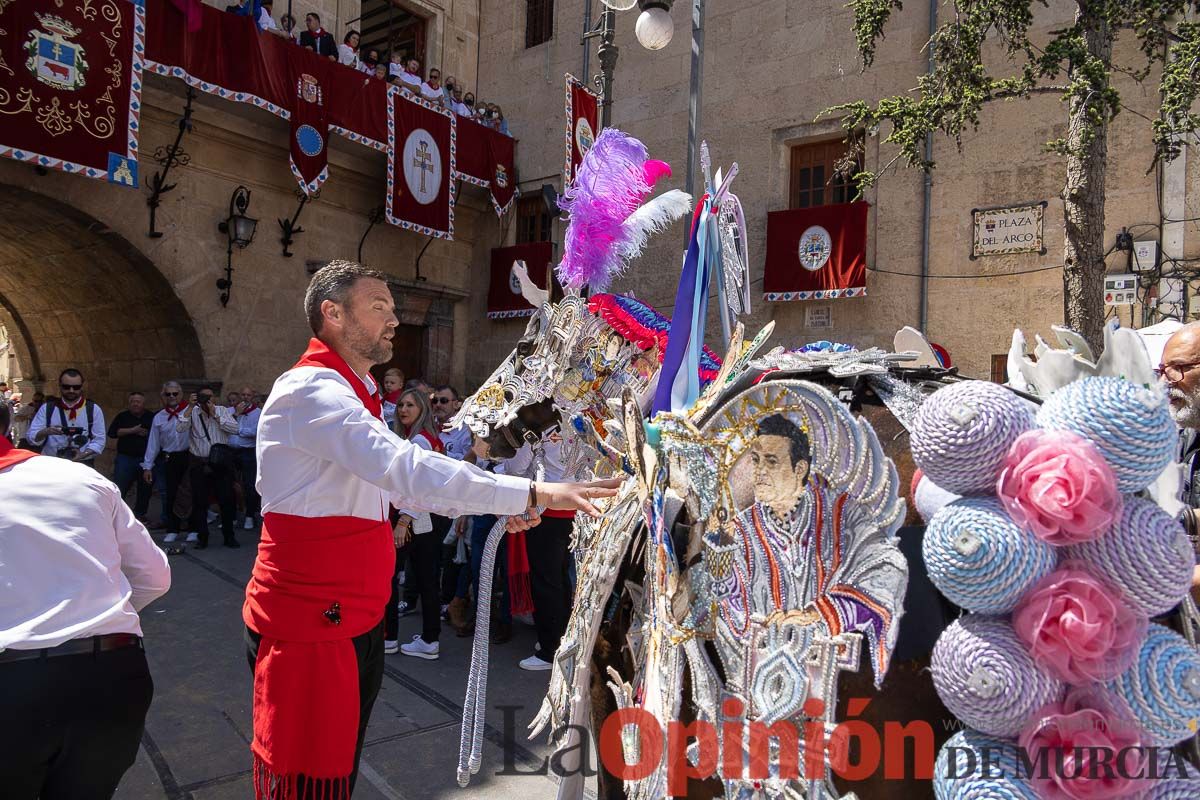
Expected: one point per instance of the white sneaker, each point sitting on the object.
(193, 537)
(248, 524)
(534, 664)
(213, 517)
(170, 537)
(390, 646)
(420, 648)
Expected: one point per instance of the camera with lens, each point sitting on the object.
(76, 438)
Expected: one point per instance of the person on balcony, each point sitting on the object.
(317, 39)
(348, 49)
(431, 89)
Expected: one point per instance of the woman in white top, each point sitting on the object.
(423, 534)
(348, 50)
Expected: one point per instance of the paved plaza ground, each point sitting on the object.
(196, 744)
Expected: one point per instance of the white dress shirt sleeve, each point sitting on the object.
(36, 424)
(98, 435)
(226, 420)
(143, 563)
(327, 421)
(152, 446)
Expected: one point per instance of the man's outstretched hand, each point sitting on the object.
(564, 497)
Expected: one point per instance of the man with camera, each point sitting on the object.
(211, 470)
(74, 683)
(71, 428)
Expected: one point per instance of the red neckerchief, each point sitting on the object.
(393, 397)
(71, 409)
(434, 442)
(10, 455)
(172, 413)
(320, 354)
(249, 408)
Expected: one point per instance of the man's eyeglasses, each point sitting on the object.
(437, 401)
(170, 394)
(70, 387)
(1175, 372)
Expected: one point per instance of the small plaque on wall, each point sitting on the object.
(1005, 230)
(818, 317)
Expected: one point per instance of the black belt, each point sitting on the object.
(75, 647)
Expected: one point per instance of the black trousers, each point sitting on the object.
(368, 650)
(206, 479)
(547, 547)
(176, 471)
(424, 558)
(71, 724)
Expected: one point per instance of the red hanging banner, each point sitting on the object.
(421, 141)
(583, 120)
(816, 253)
(504, 291)
(501, 156)
(71, 85)
(309, 139)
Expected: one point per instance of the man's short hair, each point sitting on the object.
(137, 393)
(779, 425)
(5, 417)
(445, 387)
(314, 15)
(70, 372)
(333, 282)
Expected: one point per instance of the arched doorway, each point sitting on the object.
(75, 294)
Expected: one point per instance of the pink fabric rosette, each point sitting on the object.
(1056, 485)
(1077, 628)
(1084, 719)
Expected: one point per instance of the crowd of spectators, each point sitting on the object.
(398, 67)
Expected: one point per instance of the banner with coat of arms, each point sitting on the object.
(71, 85)
(583, 123)
(816, 253)
(505, 300)
(309, 136)
(421, 142)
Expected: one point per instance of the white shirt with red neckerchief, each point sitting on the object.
(322, 454)
(64, 416)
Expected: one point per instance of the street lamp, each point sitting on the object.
(654, 29)
(239, 230)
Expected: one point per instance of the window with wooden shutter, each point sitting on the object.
(815, 179)
(539, 22)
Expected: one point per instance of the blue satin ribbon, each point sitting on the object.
(672, 379)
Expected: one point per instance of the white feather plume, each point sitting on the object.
(653, 217)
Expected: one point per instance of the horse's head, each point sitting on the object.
(515, 405)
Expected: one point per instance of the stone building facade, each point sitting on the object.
(82, 284)
(769, 68)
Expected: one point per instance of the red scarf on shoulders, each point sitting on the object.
(11, 456)
(317, 583)
(172, 413)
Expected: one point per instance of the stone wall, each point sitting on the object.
(770, 67)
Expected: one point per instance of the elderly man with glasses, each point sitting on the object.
(167, 451)
(71, 428)
(1180, 372)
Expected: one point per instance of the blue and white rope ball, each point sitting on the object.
(1146, 555)
(982, 560)
(963, 757)
(1130, 425)
(986, 678)
(1161, 690)
(962, 433)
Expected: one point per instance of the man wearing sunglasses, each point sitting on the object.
(72, 427)
(446, 403)
(1180, 372)
(167, 453)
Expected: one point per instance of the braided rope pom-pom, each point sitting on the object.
(1130, 425)
(1146, 555)
(962, 433)
(982, 560)
(1161, 691)
(1175, 788)
(986, 678)
(960, 773)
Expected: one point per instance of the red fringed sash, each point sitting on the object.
(520, 593)
(317, 583)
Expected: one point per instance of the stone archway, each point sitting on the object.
(73, 293)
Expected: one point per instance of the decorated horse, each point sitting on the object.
(750, 558)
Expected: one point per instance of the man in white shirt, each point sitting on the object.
(74, 684)
(212, 463)
(167, 457)
(73, 428)
(247, 413)
(446, 403)
(328, 468)
(432, 90)
(411, 76)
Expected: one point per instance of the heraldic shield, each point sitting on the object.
(799, 566)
